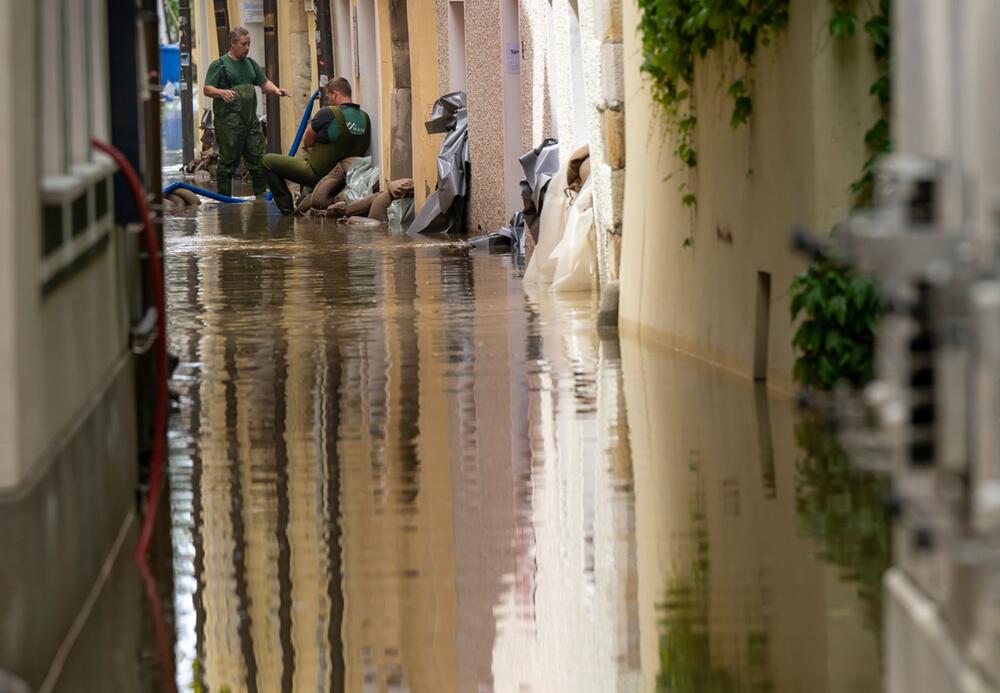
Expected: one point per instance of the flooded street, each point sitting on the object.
(391, 469)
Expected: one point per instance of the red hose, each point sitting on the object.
(160, 417)
(151, 242)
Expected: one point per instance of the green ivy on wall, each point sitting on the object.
(836, 339)
(676, 33)
(844, 23)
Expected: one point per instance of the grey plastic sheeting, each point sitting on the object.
(444, 211)
(509, 238)
(540, 165)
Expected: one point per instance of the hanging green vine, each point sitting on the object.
(840, 311)
(836, 338)
(844, 23)
(676, 33)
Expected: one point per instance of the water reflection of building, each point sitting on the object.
(731, 592)
(578, 628)
(373, 471)
(397, 545)
(260, 482)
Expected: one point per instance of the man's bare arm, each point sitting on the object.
(270, 87)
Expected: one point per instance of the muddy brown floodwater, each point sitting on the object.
(393, 470)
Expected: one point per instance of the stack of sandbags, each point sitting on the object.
(327, 189)
(179, 199)
(374, 207)
(205, 161)
(202, 167)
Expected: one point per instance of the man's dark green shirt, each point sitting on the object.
(226, 73)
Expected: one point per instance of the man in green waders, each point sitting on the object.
(230, 83)
(338, 131)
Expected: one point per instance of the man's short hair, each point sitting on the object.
(340, 85)
(236, 34)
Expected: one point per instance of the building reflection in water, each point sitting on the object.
(393, 470)
(739, 569)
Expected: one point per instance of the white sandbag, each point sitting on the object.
(551, 225)
(576, 254)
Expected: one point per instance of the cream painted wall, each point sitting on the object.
(367, 87)
(295, 39)
(792, 164)
(312, 27)
(202, 52)
(424, 78)
(386, 84)
(343, 53)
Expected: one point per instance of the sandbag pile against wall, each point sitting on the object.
(180, 198)
(354, 180)
(375, 206)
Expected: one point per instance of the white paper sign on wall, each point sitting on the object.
(513, 58)
(253, 11)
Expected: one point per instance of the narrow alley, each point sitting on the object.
(499, 346)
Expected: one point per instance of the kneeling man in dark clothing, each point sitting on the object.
(338, 131)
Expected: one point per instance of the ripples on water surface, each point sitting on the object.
(393, 470)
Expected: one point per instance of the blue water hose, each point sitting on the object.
(302, 131)
(200, 191)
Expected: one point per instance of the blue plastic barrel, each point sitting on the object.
(170, 64)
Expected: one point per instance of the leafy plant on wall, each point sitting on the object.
(677, 33)
(836, 338)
